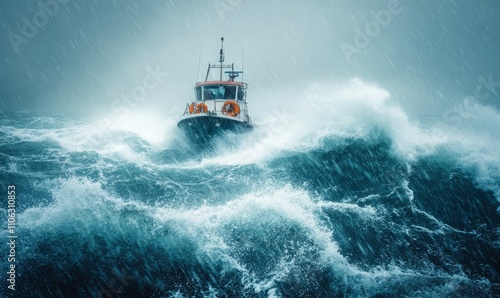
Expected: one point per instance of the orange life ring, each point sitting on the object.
(198, 108)
(231, 108)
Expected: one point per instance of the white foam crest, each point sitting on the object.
(269, 285)
(124, 143)
(108, 135)
(82, 205)
(360, 110)
(73, 199)
(385, 279)
(367, 211)
(474, 138)
(27, 134)
(279, 206)
(111, 144)
(157, 128)
(295, 205)
(299, 122)
(207, 224)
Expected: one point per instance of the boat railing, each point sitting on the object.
(215, 108)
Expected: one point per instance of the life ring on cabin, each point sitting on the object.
(198, 108)
(231, 108)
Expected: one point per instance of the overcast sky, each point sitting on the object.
(76, 56)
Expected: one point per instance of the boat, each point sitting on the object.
(219, 106)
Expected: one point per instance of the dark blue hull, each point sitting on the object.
(203, 129)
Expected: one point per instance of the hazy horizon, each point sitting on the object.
(84, 57)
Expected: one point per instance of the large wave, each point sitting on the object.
(339, 194)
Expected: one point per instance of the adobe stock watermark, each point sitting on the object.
(29, 28)
(454, 117)
(484, 90)
(372, 29)
(122, 106)
(12, 237)
(223, 6)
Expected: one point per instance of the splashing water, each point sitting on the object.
(342, 196)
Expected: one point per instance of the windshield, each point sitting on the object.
(219, 92)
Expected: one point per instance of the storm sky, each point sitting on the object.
(72, 56)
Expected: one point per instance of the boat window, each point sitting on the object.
(240, 93)
(219, 92)
(198, 93)
(230, 92)
(210, 92)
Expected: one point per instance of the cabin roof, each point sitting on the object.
(230, 83)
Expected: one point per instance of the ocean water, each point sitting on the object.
(355, 200)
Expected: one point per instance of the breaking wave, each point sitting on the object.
(344, 195)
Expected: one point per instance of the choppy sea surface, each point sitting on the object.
(358, 201)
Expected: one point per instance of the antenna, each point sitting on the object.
(199, 61)
(221, 59)
(243, 56)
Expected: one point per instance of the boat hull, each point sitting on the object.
(203, 128)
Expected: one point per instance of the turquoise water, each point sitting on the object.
(360, 202)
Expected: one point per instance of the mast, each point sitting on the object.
(221, 59)
(232, 74)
